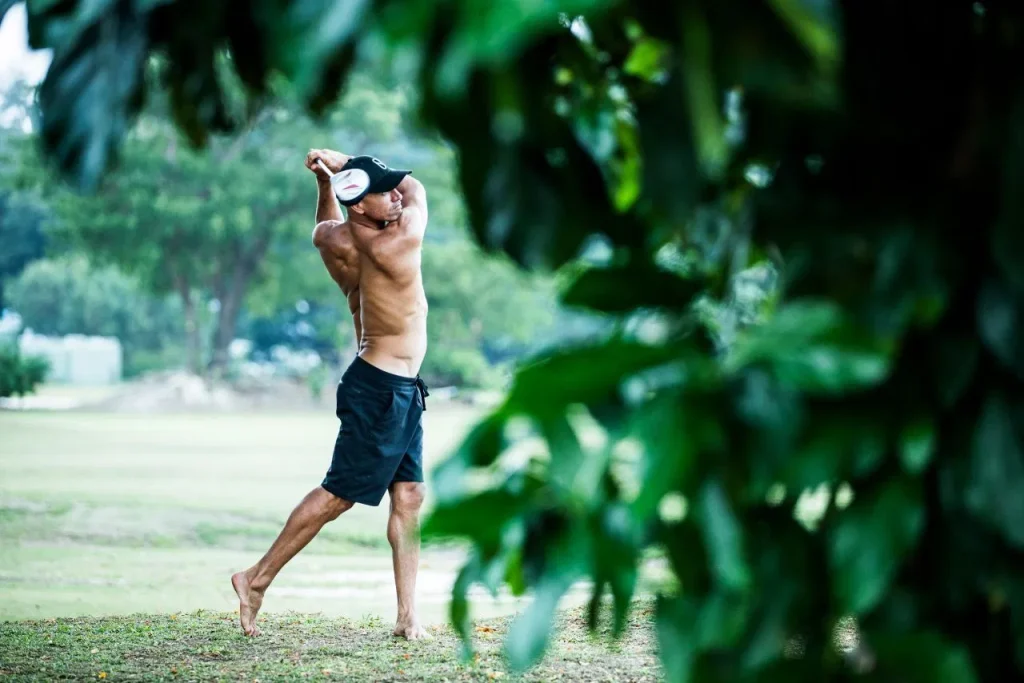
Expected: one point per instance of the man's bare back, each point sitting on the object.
(375, 259)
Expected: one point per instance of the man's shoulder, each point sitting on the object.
(331, 233)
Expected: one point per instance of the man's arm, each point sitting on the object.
(327, 207)
(413, 221)
(406, 234)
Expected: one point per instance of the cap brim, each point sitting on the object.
(388, 181)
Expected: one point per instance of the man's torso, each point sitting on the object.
(385, 297)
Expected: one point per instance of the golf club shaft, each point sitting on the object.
(324, 166)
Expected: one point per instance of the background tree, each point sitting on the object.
(22, 214)
(65, 295)
(873, 149)
(21, 233)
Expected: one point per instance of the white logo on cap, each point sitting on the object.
(350, 184)
(378, 162)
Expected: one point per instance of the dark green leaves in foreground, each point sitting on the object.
(993, 490)
(627, 289)
(922, 658)
(870, 543)
(93, 86)
(810, 346)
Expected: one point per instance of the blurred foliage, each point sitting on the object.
(22, 215)
(20, 375)
(65, 295)
(22, 237)
(871, 150)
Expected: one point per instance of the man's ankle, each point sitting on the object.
(258, 581)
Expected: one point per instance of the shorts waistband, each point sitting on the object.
(367, 371)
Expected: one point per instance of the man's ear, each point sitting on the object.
(358, 208)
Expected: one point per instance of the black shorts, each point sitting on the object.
(381, 437)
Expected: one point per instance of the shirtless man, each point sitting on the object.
(374, 256)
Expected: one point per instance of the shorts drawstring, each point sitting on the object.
(422, 386)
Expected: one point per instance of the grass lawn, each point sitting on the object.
(208, 646)
(113, 514)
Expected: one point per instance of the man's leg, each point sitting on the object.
(317, 509)
(404, 536)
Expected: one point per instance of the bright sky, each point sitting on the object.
(16, 60)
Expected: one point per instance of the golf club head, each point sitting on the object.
(348, 184)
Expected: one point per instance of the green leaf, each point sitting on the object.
(514, 573)
(836, 442)
(616, 554)
(647, 59)
(566, 452)
(955, 359)
(814, 23)
(723, 537)
(1001, 323)
(583, 374)
(528, 635)
(996, 474)
(869, 541)
(309, 41)
(686, 553)
(459, 607)
(532, 191)
(723, 619)
(92, 90)
(671, 432)
(917, 445)
(594, 605)
(671, 178)
(494, 33)
(809, 345)
(920, 658)
(480, 448)
(624, 289)
(480, 517)
(703, 94)
(676, 645)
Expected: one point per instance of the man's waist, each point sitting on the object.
(403, 362)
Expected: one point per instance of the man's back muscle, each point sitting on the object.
(334, 241)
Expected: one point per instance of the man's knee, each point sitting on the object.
(407, 497)
(332, 506)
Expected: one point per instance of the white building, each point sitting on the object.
(76, 359)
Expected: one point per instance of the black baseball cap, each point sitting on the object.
(364, 175)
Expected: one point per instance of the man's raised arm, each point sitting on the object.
(413, 221)
(327, 207)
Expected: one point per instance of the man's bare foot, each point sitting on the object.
(249, 602)
(411, 630)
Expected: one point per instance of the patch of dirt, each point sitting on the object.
(163, 392)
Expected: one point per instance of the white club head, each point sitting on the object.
(349, 184)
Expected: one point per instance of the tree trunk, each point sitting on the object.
(231, 292)
(192, 340)
(227, 319)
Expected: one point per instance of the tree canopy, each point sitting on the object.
(871, 150)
